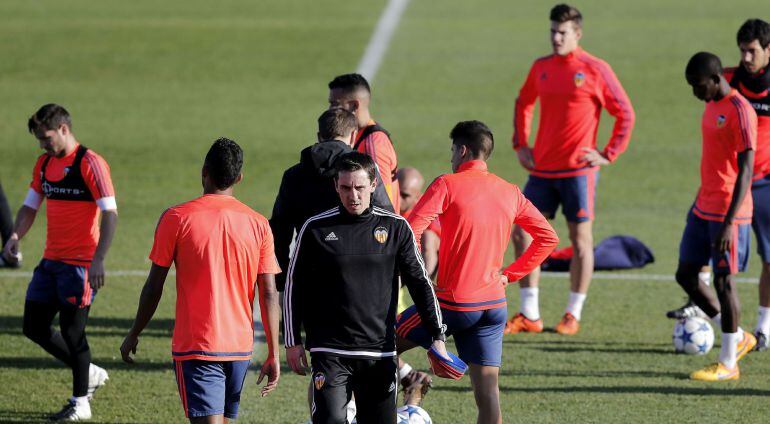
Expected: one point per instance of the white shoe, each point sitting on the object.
(97, 377)
(73, 411)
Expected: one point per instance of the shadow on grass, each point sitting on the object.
(569, 346)
(98, 326)
(36, 417)
(601, 374)
(623, 390)
(632, 350)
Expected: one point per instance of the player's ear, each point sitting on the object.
(64, 129)
(240, 177)
(355, 105)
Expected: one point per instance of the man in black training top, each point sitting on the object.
(307, 188)
(342, 288)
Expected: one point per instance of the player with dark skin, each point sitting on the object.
(708, 86)
(268, 304)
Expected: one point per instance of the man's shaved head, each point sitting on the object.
(410, 183)
(704, 74)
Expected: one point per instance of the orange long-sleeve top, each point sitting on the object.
(478, 210)
(572, 90)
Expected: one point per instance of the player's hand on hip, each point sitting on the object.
(503, 279)
(296, 358)
(593, 157)
(96, 274)
(272, 369)
(525, 157)
(128, 347)
(440, 347)
(724, 240)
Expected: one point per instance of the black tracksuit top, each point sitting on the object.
(343, 280)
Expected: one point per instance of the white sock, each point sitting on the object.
(705, 278)
(404, 371)
(80, 401)
(575, 304)
(728, 354)
(717, 320)
(763, 320)
(530, 305)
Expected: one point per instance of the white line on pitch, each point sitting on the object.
(613, 276)
(380, 40)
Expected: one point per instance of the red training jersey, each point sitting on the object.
(72, 233)
(478, 210)
(756, 89)
(379, 146)
(729, 127)
(219, 247)
(572, 90)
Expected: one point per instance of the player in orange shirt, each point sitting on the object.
(76, 184)
(717, 227)
(352, 92)
(572, 87)
(477, 210)
(222, 249)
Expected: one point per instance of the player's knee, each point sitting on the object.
(36, 333)
(687, 280)
(582, 244)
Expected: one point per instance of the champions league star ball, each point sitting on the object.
(693, 336)
(410, 414)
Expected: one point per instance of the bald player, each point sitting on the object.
(411, 183)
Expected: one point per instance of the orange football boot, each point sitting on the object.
(568, 325)
(521, 324)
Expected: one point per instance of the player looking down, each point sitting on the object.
(76, 183)
(342, 288)
(573, 87)
(717, 227)
(223, 254)
(477, 210)
(752, 79)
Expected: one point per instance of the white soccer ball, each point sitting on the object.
(693, 336)
(410, 414)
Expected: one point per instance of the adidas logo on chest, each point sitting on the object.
(331, 237)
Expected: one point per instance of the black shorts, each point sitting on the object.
(371, 381)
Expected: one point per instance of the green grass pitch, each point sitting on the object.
(151, 84)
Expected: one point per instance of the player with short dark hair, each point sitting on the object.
(76, 184)
(223, 254)
(342, 287)
(717, 229)
(752, 79)
(352, 92)
(572, 87)
(478, 211)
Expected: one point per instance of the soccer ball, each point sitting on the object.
(410, 414)
(693, 336)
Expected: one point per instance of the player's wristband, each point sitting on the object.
(404, 371)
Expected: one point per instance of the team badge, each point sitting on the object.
(319, 380)
(580, 78)
(721, 119)
(66, 170)
(381, 234)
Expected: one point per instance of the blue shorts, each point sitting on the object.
(55, 282)
(210, 387)
(760, 191)
(575, 194)
(697, 246)
(478, 335)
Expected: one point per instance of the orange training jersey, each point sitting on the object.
(379, 146)
(219, 246)
(729, 127)
(478, 210)
(73, 224)
(572, 90)
(756, 89)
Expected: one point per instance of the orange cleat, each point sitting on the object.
(521, 324)
(568, 325)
